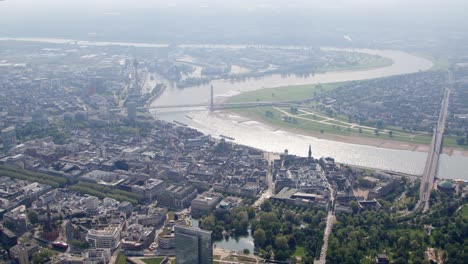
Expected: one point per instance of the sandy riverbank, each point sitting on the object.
(380, 142)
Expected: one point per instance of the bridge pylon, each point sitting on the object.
(212, 99)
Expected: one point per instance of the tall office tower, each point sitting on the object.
(131, 110)
(137, 84)
(193, 245)
(55, 84)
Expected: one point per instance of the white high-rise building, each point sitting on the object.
(108, 237)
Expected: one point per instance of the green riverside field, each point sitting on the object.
(311, 121)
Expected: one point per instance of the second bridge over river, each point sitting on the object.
(224, 105)
(221, 106)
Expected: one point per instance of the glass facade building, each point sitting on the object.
(193, 245)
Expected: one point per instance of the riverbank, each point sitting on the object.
(311, 120)
(153, 98)
(366, 141)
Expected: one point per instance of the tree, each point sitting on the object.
(266, 206)
(238, 230)
(390, 133)
(208, 222)
(354, 206)
(217, 232)
(267, 254)
(299, 236)
(251, 212)
(246, 251)
(401, 260)
(281, 243)
(33, 217)
(260, 237)
(79, 244)
(42, 256)
(308, 218)
(402, 242)
(292, 242)
(414, 245)
(360, 130)
(321, 214)
(281, 255)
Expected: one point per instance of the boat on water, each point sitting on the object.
(226, 137)
(180, 123)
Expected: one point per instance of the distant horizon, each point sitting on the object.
(232, 26)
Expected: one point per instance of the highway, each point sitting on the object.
(432, 161)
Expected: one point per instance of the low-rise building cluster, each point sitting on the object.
(410, 102)
(457, 119)
(84, 171)
(15, 193)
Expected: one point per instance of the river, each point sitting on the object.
(264, 137)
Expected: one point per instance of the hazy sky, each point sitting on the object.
(123, 4)
(229, 19)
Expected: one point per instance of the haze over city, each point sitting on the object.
(259, 131)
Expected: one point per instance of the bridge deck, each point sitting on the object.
(235, 105)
